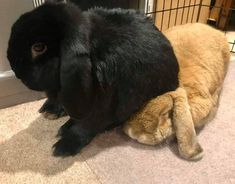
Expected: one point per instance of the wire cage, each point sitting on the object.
(37, 3)
(217, 13)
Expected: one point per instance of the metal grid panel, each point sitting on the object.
(169, 13)
(37, 3)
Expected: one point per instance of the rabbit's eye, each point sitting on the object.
(38, 49)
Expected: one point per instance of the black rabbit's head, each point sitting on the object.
(34, 48)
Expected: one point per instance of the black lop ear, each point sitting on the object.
(77, 91)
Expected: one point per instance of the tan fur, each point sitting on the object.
(203, 56)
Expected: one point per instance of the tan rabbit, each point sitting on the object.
(203, 56)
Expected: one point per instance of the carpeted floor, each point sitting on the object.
(112, 158)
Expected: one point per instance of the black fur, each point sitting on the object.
(101, 65)
(86, 4)
(53, 107)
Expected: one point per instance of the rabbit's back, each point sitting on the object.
(202, 53)
(134, 55)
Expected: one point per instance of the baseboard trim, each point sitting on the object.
(13, 92)
(6, 75)
(20, 98)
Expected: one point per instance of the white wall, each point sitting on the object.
(10, 10)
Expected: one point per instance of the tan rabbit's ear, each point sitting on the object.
(188, 145)
(162, 104)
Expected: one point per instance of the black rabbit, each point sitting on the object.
(52, 109)
(100, 65)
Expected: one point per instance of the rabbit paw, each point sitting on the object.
(73, 139)
(52, 110)
(68, 145)
(193, 154)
